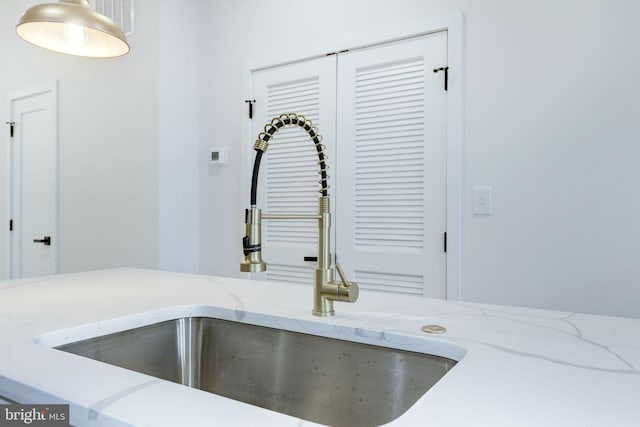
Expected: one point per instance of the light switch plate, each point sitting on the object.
(482, 201)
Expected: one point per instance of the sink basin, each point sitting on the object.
(324, 380)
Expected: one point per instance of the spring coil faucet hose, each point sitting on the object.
(270, 129)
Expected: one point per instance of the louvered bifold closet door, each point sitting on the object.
(391, 170)
(289, 172)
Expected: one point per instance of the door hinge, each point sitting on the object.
(12, 126)
(250, 102)
(10, 225)
(445, 242)
(446, 76)
(337, 52)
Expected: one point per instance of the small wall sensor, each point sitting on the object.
(218, 156)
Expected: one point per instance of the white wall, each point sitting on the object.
(550, 122)
(562, 156)
(108, 151)
(179, 135)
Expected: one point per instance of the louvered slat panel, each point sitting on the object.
(389, 164)
(291, 166)
(120, 11)
(290, 274)
(385, 282)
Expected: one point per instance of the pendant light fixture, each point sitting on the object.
(74, 28)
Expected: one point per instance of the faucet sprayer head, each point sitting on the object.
(251, 243)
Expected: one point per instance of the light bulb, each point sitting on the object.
(74, 33)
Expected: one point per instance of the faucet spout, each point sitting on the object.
(326, 290)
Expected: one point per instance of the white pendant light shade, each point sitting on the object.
(74, 28)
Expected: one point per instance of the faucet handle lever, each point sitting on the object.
(343, 278)
(343, 290)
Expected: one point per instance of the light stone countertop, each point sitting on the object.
(516, 367)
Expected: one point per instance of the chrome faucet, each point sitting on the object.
(326, 290)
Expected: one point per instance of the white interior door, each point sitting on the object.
(391, 213)
(289, 173)
(33, 182)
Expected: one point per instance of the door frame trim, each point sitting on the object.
(49, 87)
(455, 25)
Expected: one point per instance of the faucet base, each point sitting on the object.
(323, 313)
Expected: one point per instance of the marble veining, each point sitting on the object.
(23, 282)
(574, 332)
(97, 408)
(238, 307)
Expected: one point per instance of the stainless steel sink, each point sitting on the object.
(324, 380)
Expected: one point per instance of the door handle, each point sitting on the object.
(311, 259)
(46, 240)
